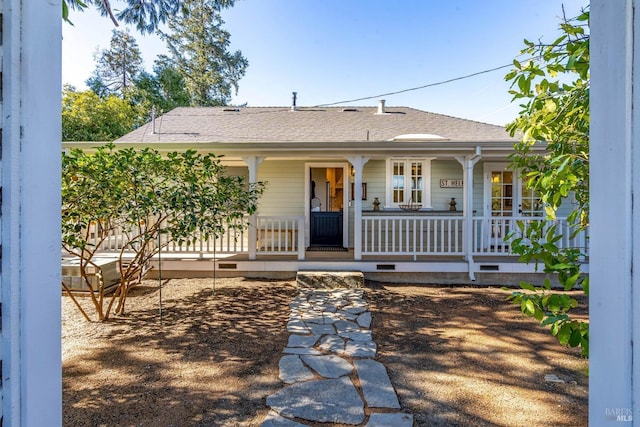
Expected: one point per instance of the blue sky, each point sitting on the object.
(335, 50)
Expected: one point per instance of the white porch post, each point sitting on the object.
(358, 163)
(468, 162)
(614, 374)
(30, 274)
(252, 162)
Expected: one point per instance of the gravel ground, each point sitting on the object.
(457, 356)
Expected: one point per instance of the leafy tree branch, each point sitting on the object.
(145, 15)
(553, 90)
(151, 199)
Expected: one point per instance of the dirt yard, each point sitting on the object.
(458, 356)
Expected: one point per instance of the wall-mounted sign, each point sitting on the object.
(451, 183)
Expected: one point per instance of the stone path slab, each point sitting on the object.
(275, 420)
(302, 340)
(361, 348)
(376, 385)
(332, 343)
(301, 350)
(330, 350)
(292, 370)
(325, 401)
(330, 280)
(330, 366)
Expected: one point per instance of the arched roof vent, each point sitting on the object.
(418, 137)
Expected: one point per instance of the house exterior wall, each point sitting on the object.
(478, 190)
(373, 175)
(440, 197)
(237, 171)
(284, 191)
(284, 194)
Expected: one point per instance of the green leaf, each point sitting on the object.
(575, 338)
(528, 307)
(65, 12)
(527, 286)
(564, 333)
(538, 314)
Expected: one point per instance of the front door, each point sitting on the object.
(326, 228)
(327, 186)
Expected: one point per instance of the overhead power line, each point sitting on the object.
(418, 87)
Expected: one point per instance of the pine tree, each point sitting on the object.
(164, 89)
(145, 15)
(117, 66)
(198, 46)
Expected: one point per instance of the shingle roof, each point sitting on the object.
(323, 124)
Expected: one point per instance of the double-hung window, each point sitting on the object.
(409, 182)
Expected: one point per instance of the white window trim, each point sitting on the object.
(426, 180)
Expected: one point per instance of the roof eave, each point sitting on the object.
(298, 148)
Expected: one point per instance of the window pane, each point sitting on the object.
(398, 182)
(531, 203)
(407, 181)
(508, 177)
(501, 193)
(416, 182)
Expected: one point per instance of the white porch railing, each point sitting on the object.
(444, 235)
(412, 235)
(381, 235)
(233, 240)
(489, 234)
(280, 235)
(275, 235)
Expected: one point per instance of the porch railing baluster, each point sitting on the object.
(443, 235)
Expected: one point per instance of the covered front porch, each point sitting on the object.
(381, 239)
(422, 247)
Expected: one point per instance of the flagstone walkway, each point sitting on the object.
(328, 366)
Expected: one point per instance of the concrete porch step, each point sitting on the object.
(330, 279)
